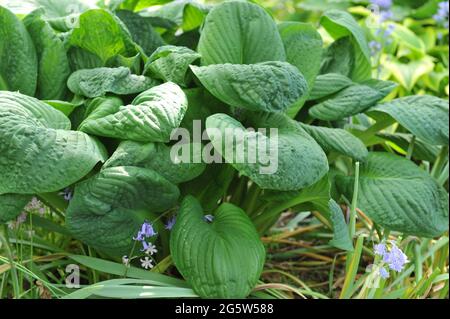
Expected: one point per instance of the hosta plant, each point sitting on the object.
(92, 101)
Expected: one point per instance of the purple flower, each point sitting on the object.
(380, 249)
(389, 30)
(442, 14)
(375, 47)
(208, 218)
(385, 4)
(147, 229)
(171, 222)
(384, 273)
(395, 258)
(386, 15)
(145, 232)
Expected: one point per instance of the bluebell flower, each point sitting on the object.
(375, 47)
(171, 222)
(442, 14)
(148, 248)
(384, 273)
(208, 218)
(145, 232)
(389, 30)
(380, 249)
(384, 4)
(147, 229)
(396, 259)
(67, 194)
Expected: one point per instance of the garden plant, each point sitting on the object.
(224, 149)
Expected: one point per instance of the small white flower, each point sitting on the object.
(150, 249)
(147, 263)
(126, 261)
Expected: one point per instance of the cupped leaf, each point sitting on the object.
(239, 32)
(268, 86)
(340, 24)
(18, 60)
(141, 31)
(341, 238)
(284, 158)
(352, 100)
(328, 84)
(399, 195)
(339, 58)
(171, 63)
(38, 153)
(159, 157)
(53, 64)
(304, 49)
(102, 34)
(97, 82)
(108, 209)
(338, 140)
(188, 14)
(150, 118)
(222, 259)
(11, 205)
(424, 116)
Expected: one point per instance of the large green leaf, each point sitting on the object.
(268, 86)
(352, 100)
(108, 209)
(239, 32)
(423, 115)
(18, 61)
(150, 118)
(141, 31)
(338, 140)
(304, 49)
(288, 161)
(101, 33)
(11, 205)
(171, 63)
(340, 24)
(38, 153)
(158, 157)
(99, 81)
(328, 84)
(222, 259)
(400, 196)
(53, 67)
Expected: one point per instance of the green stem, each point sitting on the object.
(14, 276)
(251, 199)
(352, 223)
(411, 148)
(440, 162)
(444, 175)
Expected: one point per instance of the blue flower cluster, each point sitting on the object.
(146, 232)
(394, 258)
(442, 14)
(383, 33)
(385, 9)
